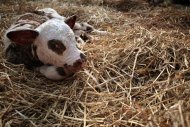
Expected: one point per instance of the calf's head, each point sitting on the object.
(54, 43)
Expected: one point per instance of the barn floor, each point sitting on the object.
(137, 76)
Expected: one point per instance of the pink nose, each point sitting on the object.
(77, 65)
(80, 62)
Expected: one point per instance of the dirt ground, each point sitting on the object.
(138, 76)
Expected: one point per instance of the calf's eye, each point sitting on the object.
(56, 46)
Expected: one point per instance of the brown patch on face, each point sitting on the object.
(57, 46)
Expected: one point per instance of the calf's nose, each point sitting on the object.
(80, 62)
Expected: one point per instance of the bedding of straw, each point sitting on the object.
(137, 76)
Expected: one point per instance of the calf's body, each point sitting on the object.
(45, 41)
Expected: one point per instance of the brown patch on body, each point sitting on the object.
(33, 20)
(33, 17)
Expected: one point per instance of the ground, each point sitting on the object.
(136, 76)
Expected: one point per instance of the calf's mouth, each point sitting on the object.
(77, 66)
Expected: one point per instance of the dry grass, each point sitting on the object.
(139, 76)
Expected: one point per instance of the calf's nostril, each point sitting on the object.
(65, 65)
(78, 63)
(82, 56)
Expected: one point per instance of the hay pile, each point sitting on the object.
(138, 76)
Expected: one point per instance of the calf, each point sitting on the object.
(46, 41)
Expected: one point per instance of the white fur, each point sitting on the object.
(56, 29)
(50, 72)
(6, 42)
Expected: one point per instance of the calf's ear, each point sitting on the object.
(70, 21)
(23, 37)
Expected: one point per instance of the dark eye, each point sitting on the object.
(57, 46)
